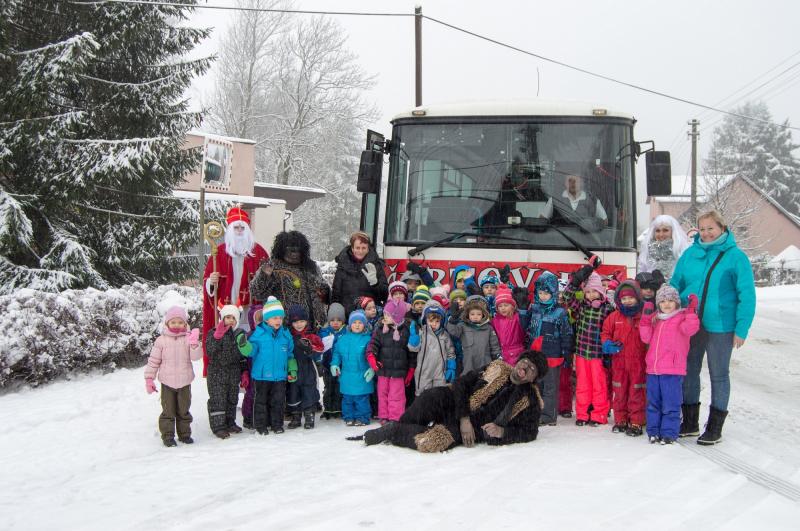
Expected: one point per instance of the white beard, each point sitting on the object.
(236, 245)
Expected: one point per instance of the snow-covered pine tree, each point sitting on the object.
(92, 121)
(760, 151)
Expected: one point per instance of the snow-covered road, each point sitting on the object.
(86, 454)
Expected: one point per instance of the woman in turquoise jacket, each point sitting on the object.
(726, 315)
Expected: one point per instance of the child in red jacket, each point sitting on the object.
(621, 340)
(668, 332)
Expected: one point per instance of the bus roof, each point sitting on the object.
(534, 107)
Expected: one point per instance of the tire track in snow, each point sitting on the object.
(769, 481)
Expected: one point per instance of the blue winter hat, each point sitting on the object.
(358, 315)
(433, 307)
(489, 278)
(548, 282)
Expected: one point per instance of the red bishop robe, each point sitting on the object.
(225, 270)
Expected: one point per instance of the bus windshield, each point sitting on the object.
(504, 182)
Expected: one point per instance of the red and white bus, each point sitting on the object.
(535, 185)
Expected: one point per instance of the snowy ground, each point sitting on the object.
(86, 454)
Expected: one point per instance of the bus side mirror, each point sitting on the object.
(370, 171)
(659, 173)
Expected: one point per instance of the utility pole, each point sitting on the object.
(694, 134)
(418, 53)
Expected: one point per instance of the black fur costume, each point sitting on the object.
(485, 396)
(299, 284)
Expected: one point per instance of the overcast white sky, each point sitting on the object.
(698, 50)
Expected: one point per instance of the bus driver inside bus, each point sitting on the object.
(575, 204)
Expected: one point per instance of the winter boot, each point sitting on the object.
(713, 433)
(247, 422)
(619, 428)
(222, 434)
(580, 422)
(186, 440)
(233, 428)
(295, 422)
(690, 421)
(169, 443)
(309, 424)
(634, 430)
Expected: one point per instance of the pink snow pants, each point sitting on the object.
(391, 398)
(591, 388)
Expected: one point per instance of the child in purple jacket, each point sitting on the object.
(668, 332)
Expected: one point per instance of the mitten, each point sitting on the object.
(292, 370)
(415, 268)
(450, 371)
(149, 386)
(611, 347)
(409, 376)
(371, 273)
(505, 274)
(649, 308)
(244, 382)
(413, 338)
(369, 374)
(335, 371)
(373, 362)
(594, 261)
(520, 296)
(220, 330)
(244, 346)
(194, 338)
(580, 276)
(693, 302)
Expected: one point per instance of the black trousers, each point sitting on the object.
(268, 403)
(331, 396)
(223, 396)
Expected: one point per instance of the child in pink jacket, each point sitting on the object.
(668, 332)
(171, 362)
(506, 323)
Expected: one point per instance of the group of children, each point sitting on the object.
(627, 339)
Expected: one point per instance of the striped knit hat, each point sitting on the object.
(422, 294)
(398, 286)
(503, 296)
(272, 308)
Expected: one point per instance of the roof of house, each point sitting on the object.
(245, 200)
(293, 195)
(221, 137)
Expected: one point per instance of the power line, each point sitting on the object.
(453, 27)
(604, 77)
(249, 9)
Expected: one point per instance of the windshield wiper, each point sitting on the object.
(546, 224)
(456, 235)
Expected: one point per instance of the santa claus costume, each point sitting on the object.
(237, 262)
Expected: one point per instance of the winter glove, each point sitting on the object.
(244, 382)
(505, 274)
(335, 371)
(371, 273)
(693, 302)
(409, 376)
(450, 371)
(220, 330)
(580, 276)
(194, 338)
(244, 346)
(649, 308)
(149, 386)
(373, 363)
(413, 338)
(520, 296)
(292, 370)
(416, 268)
(594, 261)
(369, 374)
(611, 347)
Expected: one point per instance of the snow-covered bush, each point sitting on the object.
(48, 335)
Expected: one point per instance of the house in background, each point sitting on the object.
(228, 171)
(761, 225)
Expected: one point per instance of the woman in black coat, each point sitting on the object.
(359, 272)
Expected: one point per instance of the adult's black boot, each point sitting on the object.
(309, 415)
(690, 421)
(295, 421)
(713, 433)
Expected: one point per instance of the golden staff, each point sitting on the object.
(211, 231)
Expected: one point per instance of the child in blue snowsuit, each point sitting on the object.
(349, 363)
